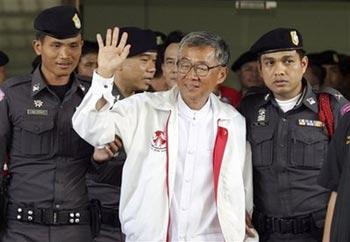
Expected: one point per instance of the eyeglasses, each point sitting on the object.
(202, 70)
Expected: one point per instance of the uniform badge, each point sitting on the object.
(294, 37)
(311, 100)
(39, 112)
(2, 95)
(335, 58)
(347, 140)
(338, 95)
(82, 87)
(36, 87)
(267, 96)
(38, 103)
(261, 115)
(76, 21)
(159, 140)
(310, 123)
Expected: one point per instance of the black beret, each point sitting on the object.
(60, 22)
(242, 59)
(278, 40)
(328, 57)
(141, 40)
(4, 59)
(89, 47)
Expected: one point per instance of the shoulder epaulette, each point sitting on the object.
(84, 78)
(331, 91)
(15, 81)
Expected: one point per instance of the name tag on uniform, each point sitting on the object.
(310, 123)
(41, 112)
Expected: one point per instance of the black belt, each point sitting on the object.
(294, 225)
(110, 217)
(48, 216)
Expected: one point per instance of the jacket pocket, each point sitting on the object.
(36, 135)
(262, 147)
(308, 148)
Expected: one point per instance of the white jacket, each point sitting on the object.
(148, 126)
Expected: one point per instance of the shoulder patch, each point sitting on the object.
(345, 108)
(2, 95)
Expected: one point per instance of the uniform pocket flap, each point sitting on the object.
(310, 137)
(37, 126)
(258, 136)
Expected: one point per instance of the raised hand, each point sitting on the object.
(112, 53)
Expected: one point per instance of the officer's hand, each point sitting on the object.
(109, 151)
(111, 54)
(248, 225)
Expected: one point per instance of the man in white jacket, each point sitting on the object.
(187, 176)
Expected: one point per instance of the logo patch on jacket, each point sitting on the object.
(159, 141)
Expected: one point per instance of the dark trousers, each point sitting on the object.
(17, 231)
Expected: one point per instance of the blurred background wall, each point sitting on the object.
(324, 24)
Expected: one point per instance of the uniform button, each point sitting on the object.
(71, 221)
(30, 212)
(61, 106)
(77, 215)
(105, 86)
(71, 215)
(57, 206)
(77, 220)
(284, 120)
(30, 218)
(19, 217)
(19, 210)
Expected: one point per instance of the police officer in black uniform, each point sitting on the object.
(335, 175)
(289, 128)
(47, 160)
(104, 182)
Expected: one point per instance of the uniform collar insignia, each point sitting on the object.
(311, 100)
(81, 86)
(36, 87)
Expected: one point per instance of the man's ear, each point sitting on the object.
(222, 75)
(37, 45)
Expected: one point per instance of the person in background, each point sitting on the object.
(315, 75)
(179, 183)
(4, 59)
(247, 70)
(104, 182)
(289, 126)
(88, 59)
(335, 176)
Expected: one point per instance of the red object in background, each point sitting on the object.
(229, 95)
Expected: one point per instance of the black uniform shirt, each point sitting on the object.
(47, 158)
(288, 150)
(105, 181)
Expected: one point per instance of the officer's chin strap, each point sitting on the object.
(325, 113)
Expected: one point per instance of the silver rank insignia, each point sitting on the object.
(261, 115)
(310, 123)
(311, 100)
(338, 95)
(347, 140)
(36, 87)
(82, 87)
(266, 96)
(38, 103)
